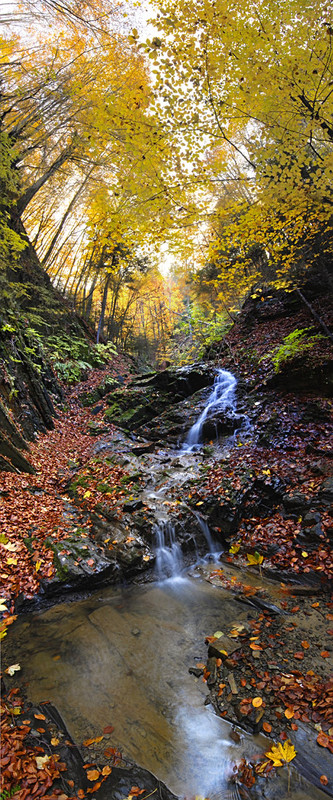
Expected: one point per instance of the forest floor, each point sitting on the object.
(281, 662)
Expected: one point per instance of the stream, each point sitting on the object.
(121, 657)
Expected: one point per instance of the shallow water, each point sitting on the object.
(121, 658)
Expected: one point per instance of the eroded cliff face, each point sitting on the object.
(30, 310)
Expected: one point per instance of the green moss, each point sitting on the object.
(113, 411)
(82, 480)
(104, 487)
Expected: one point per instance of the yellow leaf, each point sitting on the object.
(234, 549)
(12, 561)
(87, 494)
(255, 558)
(38, 565)
(281, 754)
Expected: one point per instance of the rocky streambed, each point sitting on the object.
(119, 658)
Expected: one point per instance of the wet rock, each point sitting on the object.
(311, 518)
(225, 516)
(223, 647)
(314, 534)
(196, 671)
(295, 503)
(78, 562)
(117, 785)
(149, 396)
(325, 494)
(133, 505)
(97, 409)
(145, 447)
(211, 671)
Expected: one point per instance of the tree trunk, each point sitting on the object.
(316, 316)
(24, 200)
(64, 218)
(105, 297)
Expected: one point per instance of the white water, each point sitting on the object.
(169, 557)
(221, 400)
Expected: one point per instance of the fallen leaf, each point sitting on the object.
(281, 753)
(305, 645)
(323, 780)
(325, 654)
(254, 558)
(289, 713)
(41, 761)
(14, 668)
(93, 774)
(54, 741)
(88, 742)
(267, 727)
(257, 702)
(39, 716)
(106, 770)
(108, 729)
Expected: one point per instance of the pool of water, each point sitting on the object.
(121, 658)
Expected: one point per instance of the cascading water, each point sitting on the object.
(169, 558)
(221, 399)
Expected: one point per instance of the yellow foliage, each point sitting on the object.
(281, 754)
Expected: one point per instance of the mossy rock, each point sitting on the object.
(90, 398)
(77, 559)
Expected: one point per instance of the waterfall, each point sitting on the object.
(214, 548)
(221, 399)
(169, 558)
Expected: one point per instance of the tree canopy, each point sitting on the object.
(214, 138)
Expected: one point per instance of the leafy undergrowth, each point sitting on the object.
(252, 470)
(33, 506)
(32, 771)
(26, 771)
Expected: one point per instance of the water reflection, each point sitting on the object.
(121, 658)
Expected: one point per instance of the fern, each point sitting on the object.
(292, 346)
